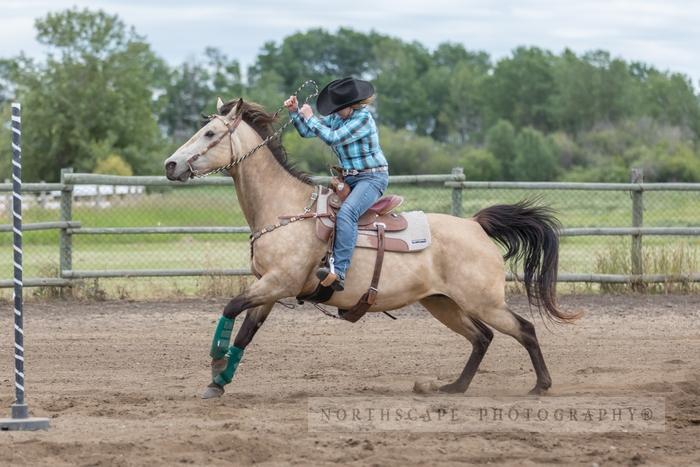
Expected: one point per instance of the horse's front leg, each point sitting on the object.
(258, 300)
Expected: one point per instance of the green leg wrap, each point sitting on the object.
(222, 338)
(233, 357)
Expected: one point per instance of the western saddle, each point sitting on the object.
(378, 220)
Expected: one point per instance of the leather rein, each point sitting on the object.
(231, 127)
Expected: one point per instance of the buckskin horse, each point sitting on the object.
(459, 278)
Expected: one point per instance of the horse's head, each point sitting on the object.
(209, 148)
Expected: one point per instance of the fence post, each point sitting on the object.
(637, 176)
(458, 172)
(65, 253)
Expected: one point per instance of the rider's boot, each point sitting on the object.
(331, 279)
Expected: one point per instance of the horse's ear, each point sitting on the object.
(238, 108)
(219, 105)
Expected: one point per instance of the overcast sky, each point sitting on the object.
(664, 33)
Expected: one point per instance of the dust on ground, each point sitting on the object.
(121, 381)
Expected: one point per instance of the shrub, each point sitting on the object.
(113, 165)
(480, 164)
(682, 165)
(534, 157)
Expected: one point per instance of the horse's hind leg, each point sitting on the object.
(448, 313)
(507, 322)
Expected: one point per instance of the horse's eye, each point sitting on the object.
(209, 134)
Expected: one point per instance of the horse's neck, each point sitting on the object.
(266, 190)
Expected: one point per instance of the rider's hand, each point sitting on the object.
(306, 111)
(292, 104)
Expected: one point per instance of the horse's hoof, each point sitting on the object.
(537, 391)
(213, 391)
(452, 388)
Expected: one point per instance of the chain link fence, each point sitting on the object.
(610, 254)
(136, 204)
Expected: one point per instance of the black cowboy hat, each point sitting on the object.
(341, 93)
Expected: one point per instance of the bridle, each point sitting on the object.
(231, 128)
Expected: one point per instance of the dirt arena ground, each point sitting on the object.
(121, 383)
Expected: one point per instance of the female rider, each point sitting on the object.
(349, 129)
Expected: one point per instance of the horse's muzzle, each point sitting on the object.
(171, 169)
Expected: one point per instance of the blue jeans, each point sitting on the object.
(366, 189)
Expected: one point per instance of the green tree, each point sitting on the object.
(94, 96)
(5, 147)
(450, 55)
(572, 106)
(462, 112)
(95, 88)
(520, 88)
(269, 91)
(500, 141)
(613, 87)
(6, 85)
(192, 89)
(670, 98)
(402, 97)
(534, 157)
(315, 54)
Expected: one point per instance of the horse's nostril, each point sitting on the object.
(170, 166)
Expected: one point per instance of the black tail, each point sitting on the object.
(529, 232)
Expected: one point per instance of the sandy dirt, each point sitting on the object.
(121, 383)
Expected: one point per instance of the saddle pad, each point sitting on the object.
(415, 237)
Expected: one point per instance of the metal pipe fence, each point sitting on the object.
(151, 231)
(636, 189)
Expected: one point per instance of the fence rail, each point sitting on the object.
(591, 231)
(32, 187)
(619, 278)
(43, 226)
(97, 179)
(583, 186)
(154, 273)
(636, 188)
(453, 185)
(158, 230)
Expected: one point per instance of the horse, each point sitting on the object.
(459, 278)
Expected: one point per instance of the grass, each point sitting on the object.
(217, 206)
(598, 209)
(671, 259)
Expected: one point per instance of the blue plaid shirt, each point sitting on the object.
(354, 140)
